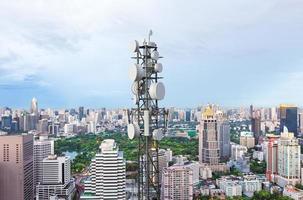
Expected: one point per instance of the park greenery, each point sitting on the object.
(87, 146)
(258, 167)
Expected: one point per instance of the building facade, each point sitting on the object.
(43, 147)
(209, 151)
(177, 183)
(16, 167)
(289, 118)
(289, 168)
(108, 176)
(56, 179)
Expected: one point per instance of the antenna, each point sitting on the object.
(150, 33)
(147, 122)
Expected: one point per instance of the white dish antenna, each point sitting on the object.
(157, 91)
(134, 46)
(133, 131)
(158, 134)
(158, 67)
(155, 55)
(135, 87)
(136, 72)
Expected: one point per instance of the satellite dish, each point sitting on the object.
(135, 87)
(133, 131)
(158, 134)
(157, 91)
(134, 46)
(155, 55)
(158, 67)
(152, 44)
(136, 72)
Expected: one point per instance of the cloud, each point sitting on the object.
(213, 50)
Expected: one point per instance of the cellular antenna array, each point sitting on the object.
(147, 122)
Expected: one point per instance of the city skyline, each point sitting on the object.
(69, 54)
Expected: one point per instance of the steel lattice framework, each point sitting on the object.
(149, 117)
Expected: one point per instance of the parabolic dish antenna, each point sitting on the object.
(158, 67)
(157, 91)
(134, 46)
(133, 131)
(136, 72)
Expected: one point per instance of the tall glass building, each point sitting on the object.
(289, 118)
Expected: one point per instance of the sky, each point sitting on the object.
(70, 53)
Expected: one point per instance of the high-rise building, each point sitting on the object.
(247, 139)
(272, 156)
(107, 179)
(34, 106)
(187, 116)
(237, 151)
(43, 147)
(289, 118)
(301, 123)
(224, 139)
(177, 183)
(209, 151)
(256, 125)
(16, 167)
(81, 112)
(56, 179)
(289, 152)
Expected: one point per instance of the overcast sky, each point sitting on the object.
(72, 53)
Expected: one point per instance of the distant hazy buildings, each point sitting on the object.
(108, 176)
(255, 124)
(56, 179)
(289, 118)
(16, 167)
(237, 151)
(247, 139)
(34, 106)
(177, 183)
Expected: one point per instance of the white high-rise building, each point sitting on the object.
(56, 179)
(289, 152)
(42, 149)
(34, 106)
(108, 176)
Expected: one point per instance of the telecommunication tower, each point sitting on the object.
(147, 122)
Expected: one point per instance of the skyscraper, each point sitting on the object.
(56, 179)
(177, 183)
(272, 157)
(256, 124)
(34, 106)
(209, 151)
(16, 167)
(107, 179)
(224, 139)
(289, 152)
(81, 112)
(42, 149)
(289, 118)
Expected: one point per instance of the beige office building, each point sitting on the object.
(16, 167)
(177, 183)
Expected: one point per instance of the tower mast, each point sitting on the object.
(147, 122)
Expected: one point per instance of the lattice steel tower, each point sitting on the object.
(147, 122)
